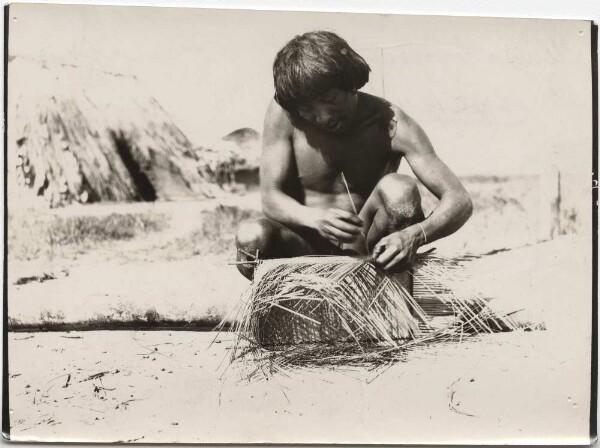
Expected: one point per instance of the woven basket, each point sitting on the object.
(329, 299)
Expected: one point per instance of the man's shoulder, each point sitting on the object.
(277, 119)
(275, 111)
(404, 130)
(391, 111)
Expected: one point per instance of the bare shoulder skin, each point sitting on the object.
(455, 207)
(281, 199)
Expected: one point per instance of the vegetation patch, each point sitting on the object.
(33, 235)
(215, 234)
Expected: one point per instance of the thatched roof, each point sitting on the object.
(244, 147)
(85, 135)
(244, 137)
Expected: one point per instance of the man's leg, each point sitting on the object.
(272, 240)
(394, 204)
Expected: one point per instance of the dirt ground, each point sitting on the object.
(172, 265)
(161, 386)
(169, 260)
(171, 387)
(167, 386)
(179, 272)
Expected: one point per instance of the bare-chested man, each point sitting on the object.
(320, 132)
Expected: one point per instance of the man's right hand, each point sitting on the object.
(338, 225)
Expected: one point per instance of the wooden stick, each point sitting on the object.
(354, 208)
(348, 190)
(296, 313)
(247, 253)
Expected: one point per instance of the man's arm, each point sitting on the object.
(277, 171)
(455, 206)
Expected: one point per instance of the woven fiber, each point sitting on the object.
(344, 311)
(329, 299)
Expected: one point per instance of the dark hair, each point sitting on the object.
(313, 63)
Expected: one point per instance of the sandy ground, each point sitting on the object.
(202, 290)
(123, 281)
(153, 276)
(171, 387)
(518, 387)
(198, 291)
(165, 386)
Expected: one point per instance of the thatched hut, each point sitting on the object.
(235, 159)
(77, 134)
(246, 138)
(249, 142)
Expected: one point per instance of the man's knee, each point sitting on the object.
(398, 188)
(256, 234)
(400, 196)
(254, 237)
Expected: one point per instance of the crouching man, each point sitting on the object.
(328, 172)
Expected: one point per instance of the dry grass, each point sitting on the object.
(36, 235)
(318, 299)
(33, 234)
(342, 311)
(215, 234)
(505, 216)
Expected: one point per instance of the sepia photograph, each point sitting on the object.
(243, 226)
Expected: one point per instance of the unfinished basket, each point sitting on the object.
(333, 311)
(328, 299)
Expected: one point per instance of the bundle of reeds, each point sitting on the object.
(310, 311)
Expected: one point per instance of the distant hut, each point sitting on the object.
(76, 134)
(246, 143)
(245, 138)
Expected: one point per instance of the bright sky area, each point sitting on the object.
(495, 96)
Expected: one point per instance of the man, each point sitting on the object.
(328, 173)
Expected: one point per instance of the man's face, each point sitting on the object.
(333, 111)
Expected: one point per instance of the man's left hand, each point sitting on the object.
(398, 250)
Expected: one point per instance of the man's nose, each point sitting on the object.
(322, 118)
